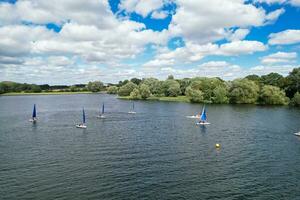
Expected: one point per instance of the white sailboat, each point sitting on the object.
(132, 109)
(82, 125)
(203, 118)
(33, 119)
(101, 115)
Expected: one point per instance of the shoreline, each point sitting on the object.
(168, 99)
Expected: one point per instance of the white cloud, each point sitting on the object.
(141, 7)
(279, 57)
(239, 34)
(202, 22)
(159, 15)
(241, 47)
(285, 37)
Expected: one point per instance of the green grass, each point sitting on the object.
(42, 93)
(174, 99)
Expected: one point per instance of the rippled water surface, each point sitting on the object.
(157, 153)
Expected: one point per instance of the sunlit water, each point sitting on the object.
(157, 153)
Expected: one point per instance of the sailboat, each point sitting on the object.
(33, 118)
(132, 109)
(82, 125)
(101, 115)
(297, 134)
(203, 118)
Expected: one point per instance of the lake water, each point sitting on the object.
(157, 153)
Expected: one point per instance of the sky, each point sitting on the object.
(71, 42)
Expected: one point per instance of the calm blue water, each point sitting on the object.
(156, 154)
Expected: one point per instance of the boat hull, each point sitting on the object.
(297, 134)
(193, 117)
(132, 112)
(203, 123)
(81, 126)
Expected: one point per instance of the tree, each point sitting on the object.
(95, 86)
(171, 88)
(243, 91)
(207, 87)
(220, 95)
(184, 83)
(170, 77)
(293, 82)
(253, 77)
(296, 99)
(274, 79)
(35, 88)
(135, 94)
(194, 95)
(145, 91)
(126, 89)
(112, 90)
(154, 85)
(136, 81)
(272, 95)
(73, 88)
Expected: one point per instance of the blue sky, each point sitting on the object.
(80, 41)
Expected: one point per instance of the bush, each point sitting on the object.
(195, 96)
(135, 94)
(272, 95)
(112, 90)
(171, 88)
(145, 91)
(243, 91)
(220, 95)
(296, 99)
(126, 89)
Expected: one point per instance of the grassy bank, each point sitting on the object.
(42, 93)
(175, 99)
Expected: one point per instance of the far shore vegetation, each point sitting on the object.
(270, 89)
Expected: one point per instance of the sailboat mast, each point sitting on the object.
(83, 116)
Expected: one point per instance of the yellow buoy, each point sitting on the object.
(218, 145)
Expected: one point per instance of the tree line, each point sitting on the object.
(270, 89)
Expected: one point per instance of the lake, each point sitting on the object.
(157, 153)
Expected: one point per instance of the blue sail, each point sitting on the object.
(34, 112)
(203, 115)
(103, 108)
(83, 116)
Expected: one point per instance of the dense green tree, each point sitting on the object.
(135, 94)
(35, 88)
(144, 91)
(184, 83)
(220, 95)
(293, 82)
(296, 99)
(170, 77)
(274, 79)
(154, 85)
(126, 89)
(243, 91)
(95, 86)
(253, 77)
(112, 90)
(136, 81)
(73, 88)
(207, 86)
(171, 88)
(194, 95)
(272, 95)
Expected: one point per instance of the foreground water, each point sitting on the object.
(155, 154)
